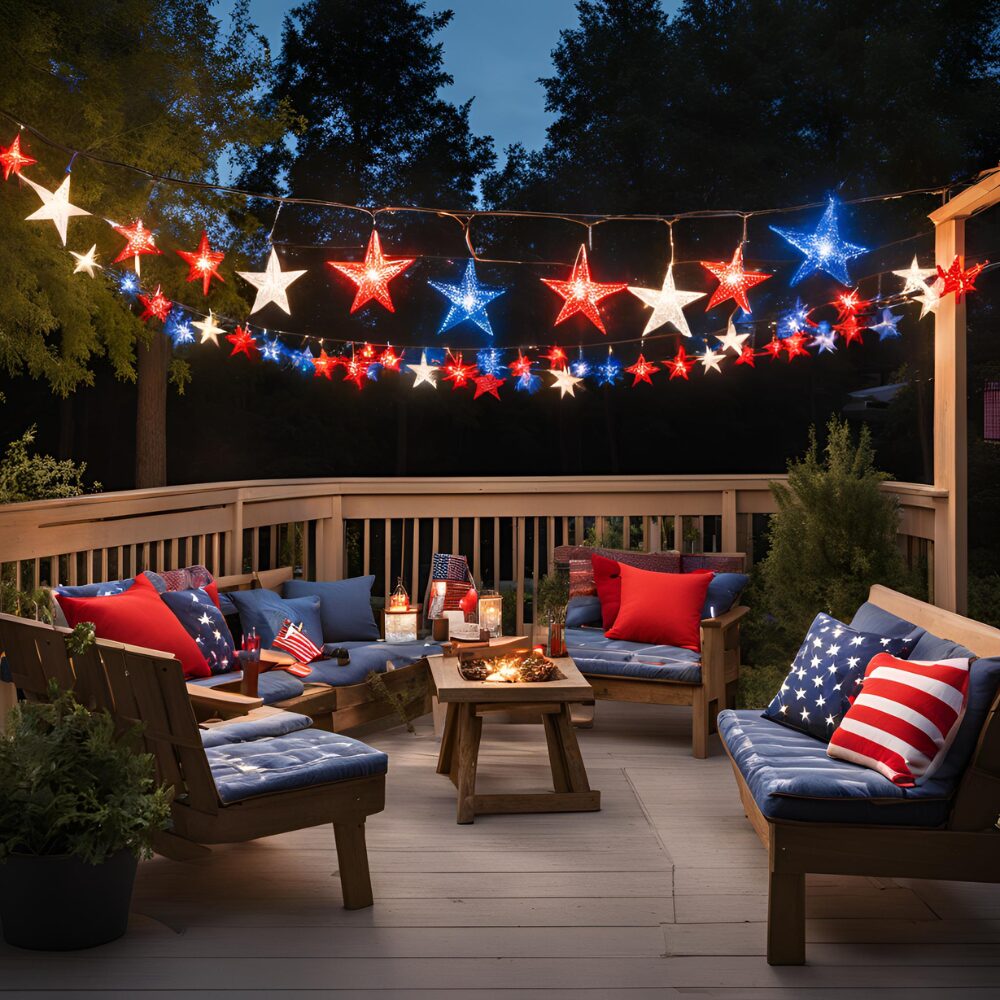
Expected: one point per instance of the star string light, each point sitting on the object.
(556, 357)
(667, 303)
(324, 365)
(565, 381)
(887, 326)
(468, 299)
(128, 283)
(209, 329)
(355, 370)
(372, 275)
(487, 385)
(155, 306)
(271, 284)
(389, 359)
(734, 282)
(303, 360)
(825, 339)
(243, 342)
(178, 327)
(56, 207)
(86, 262)
(581, 366)
(580, 294)
(850, 303)
(203, 263)
(424, 374)
(609, 372)
(139, 242)
(271, 349)
(958, 278)
(850, 329)
(795, 346)
(793, 320)
(13, 159)
(914, 277)
(711, 360)
(930, 301)
(747, 357)
(823, 248)
(490, 361)
(457, 372)
(731, 340)
(643, 370)
(773, 347)
(680, 364)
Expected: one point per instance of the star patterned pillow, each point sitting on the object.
(205, 623)
(826, 676)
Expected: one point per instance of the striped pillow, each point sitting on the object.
(905, 718)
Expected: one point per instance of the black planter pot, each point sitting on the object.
(61, 903)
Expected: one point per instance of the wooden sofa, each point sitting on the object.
(965, 848)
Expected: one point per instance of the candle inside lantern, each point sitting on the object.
(399, 599)
(491, 612)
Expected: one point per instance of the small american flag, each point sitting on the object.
(448, 567)
(904, 719)
(293, 640)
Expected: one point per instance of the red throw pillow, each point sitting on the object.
(212, 590)
(662, 609)
(137, 617)
(608, 580)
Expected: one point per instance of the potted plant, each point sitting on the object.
(553, 596)
(78, 807)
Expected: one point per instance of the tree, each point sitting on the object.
(154, 84)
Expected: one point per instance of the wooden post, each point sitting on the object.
(330, 543)
(729, 521)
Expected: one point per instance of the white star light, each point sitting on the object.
(931, 299)
(209, 330)
(667, 304)
(271, 284)
(731, 340)
(711, 360)
(826, 341)
(913, 278)
(55, 206)
(424, 373)
(86, 262)
(564, 380)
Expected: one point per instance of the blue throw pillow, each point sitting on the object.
(871, 618)
(345, 606)
(265, 611)
(111, 587)
(984, 679)
(826, 675)
(583, 611)
(723, 593)
(206, 624)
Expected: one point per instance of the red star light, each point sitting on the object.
(139, 242)
(203, 263)
(580, 294)
(680, 364)
(556, 357)
(642, 370)
(850, 303)
(367, 353)
(324, 364)
(12, 159)
(372, 275)
(522, 366)
(850, 330)
(747, 356)
(773, 347)
(958, 279)
(734, 282)
(389, 359)
(795, 345)
(243, 343)
(458, 373)
(155, 306)
(487, 385)
(355, 370)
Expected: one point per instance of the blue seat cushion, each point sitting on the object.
(272, 686)
(247, 729)
(871, 618)
(583, 611)
(345, 606)
(282, 763)
(367, 657)
(265, 611)
(791, 778)
(594, 653)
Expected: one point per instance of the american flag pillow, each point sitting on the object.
(905, 718)
(293, 640)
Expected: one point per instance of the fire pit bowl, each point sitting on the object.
(516, 668)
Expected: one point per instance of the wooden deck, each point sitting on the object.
(662, 893)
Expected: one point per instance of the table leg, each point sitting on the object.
(557, 759)
(448, 740)
(576, 772)
(470, 733)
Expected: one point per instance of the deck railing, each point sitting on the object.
(329, 528)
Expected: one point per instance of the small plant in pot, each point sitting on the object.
(553, 596)
(78, 808)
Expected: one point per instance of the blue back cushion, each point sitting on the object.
(871, 618)
(111, 586)
(723, 592)
(264, 611)
(205, 623)
(583, 611)
(345, 606)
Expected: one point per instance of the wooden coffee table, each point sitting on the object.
(469, 701)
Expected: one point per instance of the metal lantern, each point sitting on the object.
(491, 612)
(399, 599)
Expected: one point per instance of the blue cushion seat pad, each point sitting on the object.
(248, 729)
(594, 653)
(791, 778)
(272, 685)
(367, 657)
(282, 763)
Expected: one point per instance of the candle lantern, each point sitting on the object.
(400, 618)
(399, 599)
(491, 612)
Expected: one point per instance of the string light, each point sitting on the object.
(580, 294)
(823, 248)
(468, 299)
(372, 275)
(203, 262)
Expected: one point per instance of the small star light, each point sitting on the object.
(468, 299)
(521, 369)
(667, 303)
(13, 158)
(732, 341)
(747, 357)
(580, 294)
(565, 381)
(914, 277)
(424, 373)
(959, 279)
(642, 370)
(851, 330)
(824, 249)
(680, 364)
(581, 366)
(793, 320)
(271, 284)
(139, 242)
(825, 339)
(243, 342)
(487, 385)
(203, 263)
(795, 345)
(521, 366)
(734, 282)
(208, 329)
(56, 207)
(355, 370)
(389, 359)
(271, 349)
(490, 361)
(303, 360)
(155, 306)
(178, 328)
(456, 372)
(372, 275)
(850, 303)
(711, 360)
(887, 326)
(324, 365)
(774, 348)
(930, 301)
(556, 357)
(128, 283)
(609, 372)
(86, 262)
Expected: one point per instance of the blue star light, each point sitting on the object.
(128, 283)
(270, 350)
(824, 249)
(303, 360)
(887, 327)
(792, 320)
(581, 367)
(468, 300)
(373, 371)
(178, 328)
(609, 372)
(490, 362)
(528, 382)
(825, 339)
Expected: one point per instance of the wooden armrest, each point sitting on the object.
(227, 704)
(732, 616)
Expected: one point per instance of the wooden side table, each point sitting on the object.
(469, 701)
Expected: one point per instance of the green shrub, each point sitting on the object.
(24, 476)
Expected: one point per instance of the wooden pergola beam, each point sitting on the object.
(980, 196)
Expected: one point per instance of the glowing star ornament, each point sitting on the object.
(372, 275)
(887, 326)
(324, 365)
(128, 283)
(424, 374)
(795, 346)
(468, 299)
(86, 262)
(734, 282)
(732, 341)
(203, 263)
(457, 372)
(521, 366)
(825, 339)
(487, 385)
(56, 207)
(747, 357)
(914, 277)
(930, 301)
(711, 360)
(355, 370)
(793, 320)
(643, 370)
(389, 359)
(13, 159)
(667, 303)
(580, 294)
(680, 364)
(271, 284)
(490, 361)
(565, 381)
(959, 279)
(556, 357)
(302, 360)
(850, 303)
(155, 306)
(609, 372)
(824, 249)
(139, 242)
(178, 328)
(209, 329)
(851, 330)
(271, 349)
(774, 347)
(243, 342)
